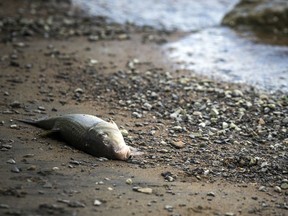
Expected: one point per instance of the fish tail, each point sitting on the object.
(46, 123)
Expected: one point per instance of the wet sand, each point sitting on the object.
(195, 162)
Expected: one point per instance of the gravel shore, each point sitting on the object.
(211, 148)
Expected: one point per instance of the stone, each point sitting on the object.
(261, 121)
(129, 181)
(124, 132)
(15, 169)
(168, 208)
(15, 104)
(284, 186)
(264, 15)
(14, 126)
(79, 90)
(229, 214)
(145, 190)
(212, 194)
(97, 202)
(277, 189)
(4, 206)
(11, 161)
(225, 125)
(76, 204)
(214, 112)
(178, 144)
(237, 93)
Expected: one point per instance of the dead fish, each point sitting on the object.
(89, 134)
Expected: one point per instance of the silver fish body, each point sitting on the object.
(89, 134)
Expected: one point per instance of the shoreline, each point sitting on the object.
(214, 147)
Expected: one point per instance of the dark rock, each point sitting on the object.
(264, 15)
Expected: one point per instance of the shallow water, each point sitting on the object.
(221, 53)
(211, 49)
(184, 15)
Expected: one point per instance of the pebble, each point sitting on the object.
(93, 62)
(168, 208)
(277, 189)
(163, 151)
(41, 108)
(211, 194)
(178, 144)
(169, 178)
(100, 183)
(261, 121)
(225, 125)
(97, 202)
(11, 161)
(47, 185)
(137, 115)
(75, 162)
(15, 104)
(202, 124)
(143, 190)
(284, 186)
(154, 95)
(4, 206)
(197, 113)
(124, 132)
(31, 168)
(229, 214)
(20, 44)
(79, 90)
(129, 181)
(14, 126)
(262, 188)
(28, 155)
(15, 169)
(285, 120)
(147, 106)
(237, 93)
(214, 112)
(123, 36)
(76, 204)
(93, 38)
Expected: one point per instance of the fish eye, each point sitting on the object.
(130, 157)
(103, 134)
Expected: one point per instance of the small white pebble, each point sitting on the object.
(97, 202)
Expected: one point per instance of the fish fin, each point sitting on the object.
(45, 123)
(27, 121)
(46, 133)
(50, 132)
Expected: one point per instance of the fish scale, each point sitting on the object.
(72, 131)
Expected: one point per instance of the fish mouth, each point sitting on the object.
(123, 154)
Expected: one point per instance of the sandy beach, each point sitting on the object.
(210, 148)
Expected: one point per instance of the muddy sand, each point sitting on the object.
(211, 148)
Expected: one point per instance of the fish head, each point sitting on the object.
(109, 141)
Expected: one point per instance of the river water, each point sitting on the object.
(210, 49)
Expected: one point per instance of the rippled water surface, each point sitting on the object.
(221, 53)
(210, 49)
(184, 15)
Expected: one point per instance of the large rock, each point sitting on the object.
(264, 15)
